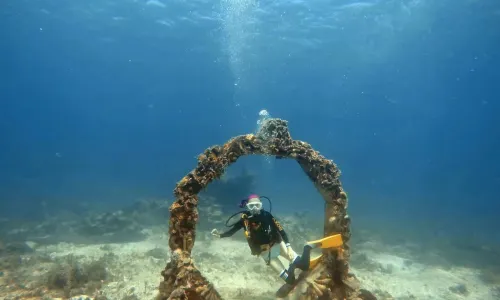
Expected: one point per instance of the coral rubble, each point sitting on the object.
(330, 279)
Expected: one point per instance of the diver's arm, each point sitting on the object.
(280, 229)
(233, 230)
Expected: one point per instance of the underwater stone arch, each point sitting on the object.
(330, 279)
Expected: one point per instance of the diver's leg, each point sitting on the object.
(305, 258)
(302, 262)
(284, 253)
(272, 260)
(276, 264)
(293, 260)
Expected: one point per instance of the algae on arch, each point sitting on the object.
(330, 279)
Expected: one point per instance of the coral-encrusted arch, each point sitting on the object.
(330, 278)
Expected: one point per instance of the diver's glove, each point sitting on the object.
(215, 233)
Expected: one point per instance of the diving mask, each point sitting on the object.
(254, 207)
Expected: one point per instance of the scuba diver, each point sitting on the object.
(265, 234)
(266, 237)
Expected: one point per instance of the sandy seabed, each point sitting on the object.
(132, 271)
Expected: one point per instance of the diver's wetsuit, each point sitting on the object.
(263, 229)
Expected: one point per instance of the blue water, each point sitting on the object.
(106, 102)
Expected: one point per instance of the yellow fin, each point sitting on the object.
(314, 262)
(333, 241)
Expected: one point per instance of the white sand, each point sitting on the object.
(421, 281)
(238, 275)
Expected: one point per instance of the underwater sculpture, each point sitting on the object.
(329, 278)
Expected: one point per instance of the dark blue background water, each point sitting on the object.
(100, 113)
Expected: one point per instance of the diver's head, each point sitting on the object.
(254, 205)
